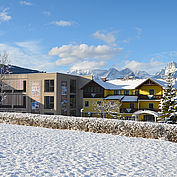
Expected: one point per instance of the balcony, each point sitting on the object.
(129, 110)
(149, 97)
(151, 109)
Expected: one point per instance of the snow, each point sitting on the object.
(114, 97)
(127, 83)
(97, 125)
(106, 85)
(130, 99)
(119, 84)
(35, 151)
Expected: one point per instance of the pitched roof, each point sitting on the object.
(106, 85)
(127, 83)
(121, 84)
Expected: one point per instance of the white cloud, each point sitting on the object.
(70, 54)
(28, 54)
(26, 3)
(88, 65)
(4, 16)
(151, 67)
(62, 23)
(109, 38)
(30, 47)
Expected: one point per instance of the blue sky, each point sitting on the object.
(64, 35)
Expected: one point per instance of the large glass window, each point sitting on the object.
(48, 102)
(49, 85)
(72, 86)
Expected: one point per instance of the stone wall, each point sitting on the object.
(96, 125)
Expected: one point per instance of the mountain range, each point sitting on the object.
(113, 73)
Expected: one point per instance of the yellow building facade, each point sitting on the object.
(135, 98)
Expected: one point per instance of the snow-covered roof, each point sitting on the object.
(126, 83)
(114, 97)
(161, 82)
(106, 85)
(120, 84)
(130, 98)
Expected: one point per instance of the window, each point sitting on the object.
(72, 101)
(151, 91)
(116, 92)
(151, 106)
(132, 105)
(49, 85)
(86, 103)
(24, 86)
(72, 86)
(49, 113)
(126, 92)
(136, 92)
(64, 88)
(23, 105)
(48, 102)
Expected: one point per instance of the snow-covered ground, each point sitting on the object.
(34, 151)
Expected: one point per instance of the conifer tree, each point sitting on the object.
(167, 103)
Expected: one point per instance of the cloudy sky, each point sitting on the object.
(64, 35)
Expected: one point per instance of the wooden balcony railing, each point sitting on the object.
(149, 97)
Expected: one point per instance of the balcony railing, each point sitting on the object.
(151, 109)
(129, 110)
(149, 97)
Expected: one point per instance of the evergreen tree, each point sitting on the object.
(167, 103)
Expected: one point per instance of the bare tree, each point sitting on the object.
(108, 107)
(4, 66)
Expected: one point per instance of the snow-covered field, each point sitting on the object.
(34, 151)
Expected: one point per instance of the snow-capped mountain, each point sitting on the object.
(111, 73)
(142, 74)
(171, 67)
(160, 74)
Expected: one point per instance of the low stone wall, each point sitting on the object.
(96, 125)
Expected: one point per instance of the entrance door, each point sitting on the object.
(149, 118)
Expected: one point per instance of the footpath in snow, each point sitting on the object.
(36, 151)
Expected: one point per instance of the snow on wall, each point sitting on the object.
(96, 125)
